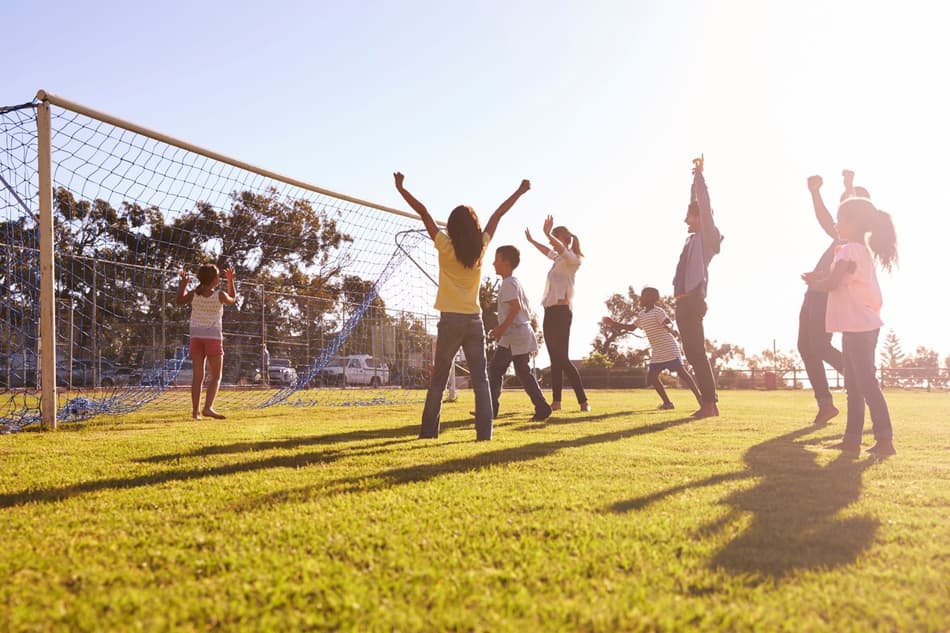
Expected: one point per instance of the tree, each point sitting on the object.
(777, 361)
(923, 368)
(891, 354)
(721, 355)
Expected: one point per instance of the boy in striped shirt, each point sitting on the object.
(664, 350)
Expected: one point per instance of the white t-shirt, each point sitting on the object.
(519, 337)
(663, 345)
(560, 282)
(206, 313)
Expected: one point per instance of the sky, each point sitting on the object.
(601, 104)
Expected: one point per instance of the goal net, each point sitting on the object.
(334, 294)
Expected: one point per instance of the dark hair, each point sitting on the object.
(869, 219)
(510, 254)
(572, 243)
(207, 273)
(465, 231)
(856, 192)
(650, 292)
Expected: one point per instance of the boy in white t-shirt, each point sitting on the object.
(664, 350)
(514, 335)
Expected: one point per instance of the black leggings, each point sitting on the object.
(557, 338)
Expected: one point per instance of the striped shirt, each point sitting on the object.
(206, 315)
(663, 346)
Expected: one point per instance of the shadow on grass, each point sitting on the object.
(405, 433)
(426, 472)
(794, 506)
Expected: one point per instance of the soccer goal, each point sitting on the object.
(98, 216)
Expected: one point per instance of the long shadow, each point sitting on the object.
(402, 433)
(794, 505)
(426, 472)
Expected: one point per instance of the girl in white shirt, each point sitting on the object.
(565, 251)
(205, 332)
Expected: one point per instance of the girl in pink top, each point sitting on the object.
(854, 309)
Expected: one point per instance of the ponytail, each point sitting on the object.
(576, 245)
(883, 239)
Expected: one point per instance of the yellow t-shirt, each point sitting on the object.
(458, 285)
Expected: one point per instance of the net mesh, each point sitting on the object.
(333, 296)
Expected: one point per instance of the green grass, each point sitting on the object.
(625, 518)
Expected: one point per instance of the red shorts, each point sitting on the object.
(206, 346)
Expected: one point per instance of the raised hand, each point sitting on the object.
(184, 277)
(527, 234)
(399, 178)
(548, 225)
(848, 177)
(815, 183)
(229, 274)
(698, 164)
(524, 186)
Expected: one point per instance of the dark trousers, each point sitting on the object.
(557, 338)
(496, 374)
(814, 345)
(860, 379)
(690, 311)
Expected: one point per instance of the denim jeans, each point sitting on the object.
(465, 331)
(690, 311)
(814, 345)
(860, 380)
(557, 338)
(496, 374)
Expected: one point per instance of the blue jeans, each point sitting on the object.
(465, 331)
(496, 374)
(860, 381)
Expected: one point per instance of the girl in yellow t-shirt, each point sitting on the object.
(460, 249)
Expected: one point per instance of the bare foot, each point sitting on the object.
(211, 413)
(825, 414)
(556, 405)
(195, 415)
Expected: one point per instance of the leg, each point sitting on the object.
(814, 345)
(570, 371)
(474, 345)
(553, 336)
(689, 318)
(852, 383)
(864, 345)
(197, 377)
(653, 378)
(542, 410)
(686, 378)
(496, 374)
(214, 382)
(446, 346)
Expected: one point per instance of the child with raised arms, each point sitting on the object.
(460, 248)
(515, 338)
(664, 350)
(854, 309)
(206, 333)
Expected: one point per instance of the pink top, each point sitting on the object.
(855, 305)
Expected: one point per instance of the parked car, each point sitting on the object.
(172, 372)
(357, 369)
(281, 372)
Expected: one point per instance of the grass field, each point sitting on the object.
(622, 519)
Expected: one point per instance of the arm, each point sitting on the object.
(821, 211)
(832, 281)
(513, 309)
(538, 245)
(707, 226)
(505, 206)
(183, 296)
(228, 297)
(417, 206)
(556, 244)
(617, 325)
